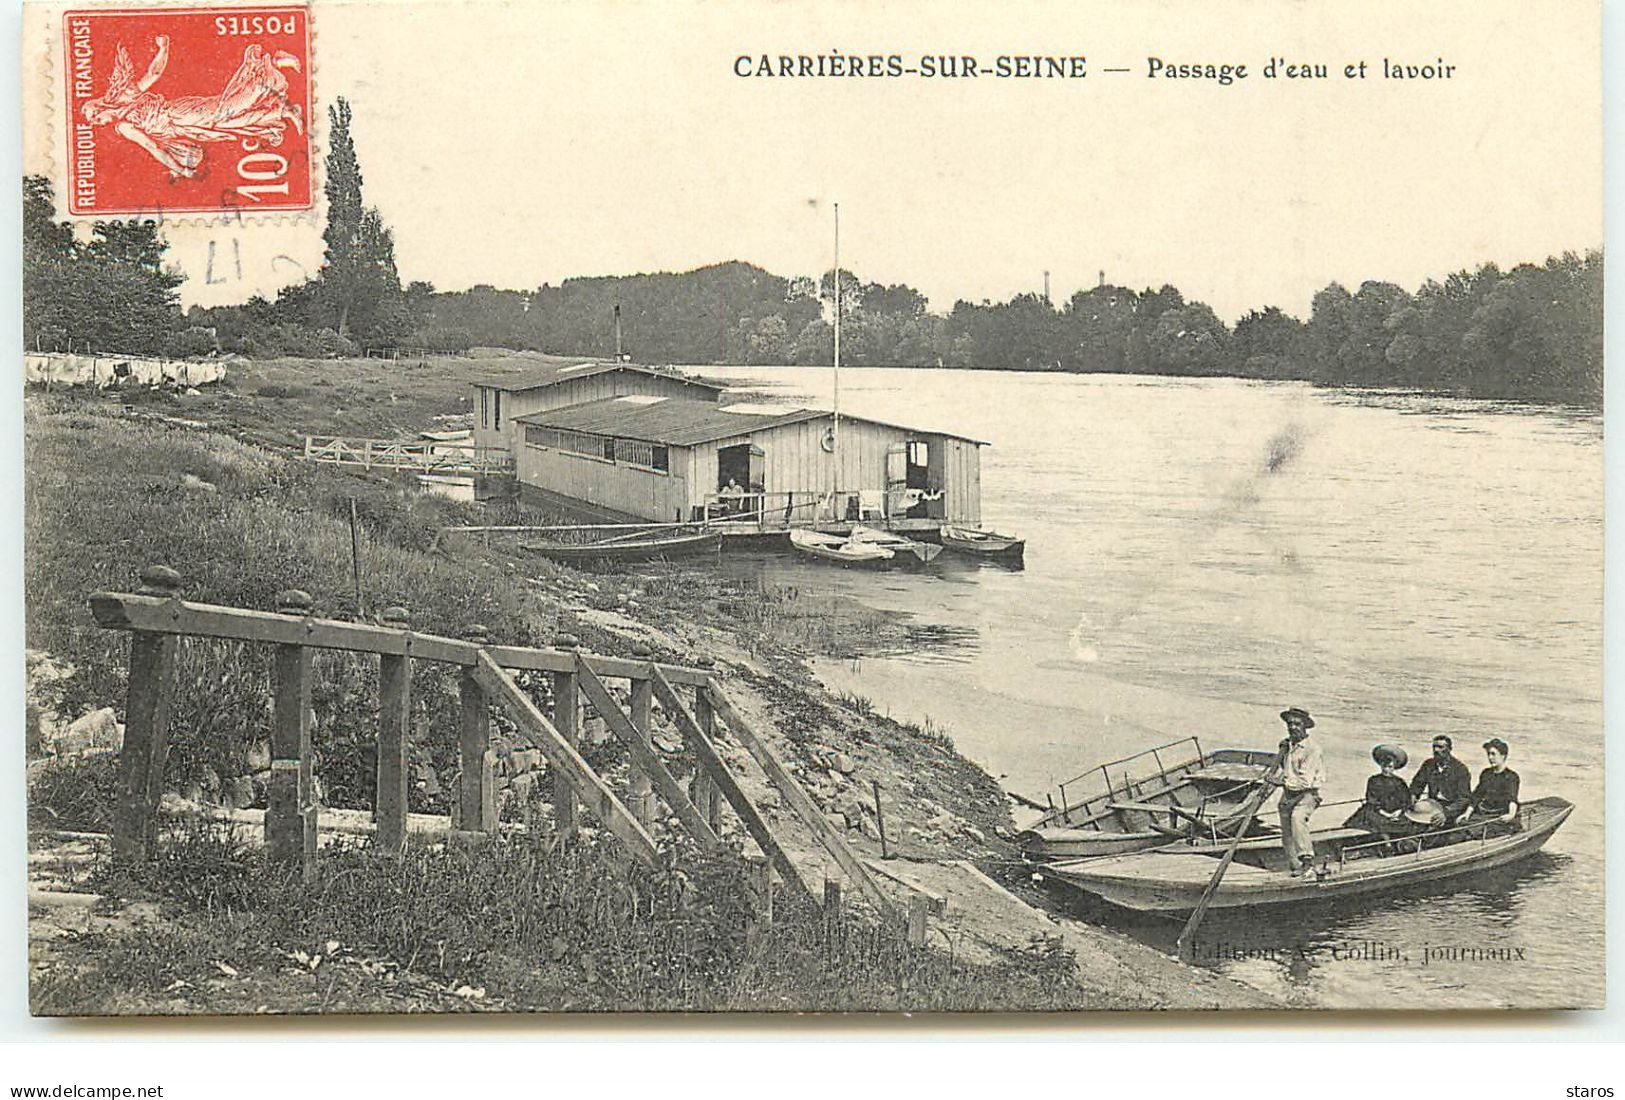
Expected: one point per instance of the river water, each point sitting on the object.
(1202, 554)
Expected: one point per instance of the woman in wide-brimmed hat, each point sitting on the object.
(1387, 796)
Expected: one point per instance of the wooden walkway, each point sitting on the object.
(419, 457)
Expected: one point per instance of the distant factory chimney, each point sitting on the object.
(1103, 277)
(617, 332)
(1046, 288)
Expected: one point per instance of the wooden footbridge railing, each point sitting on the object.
(426, 457)
(156, 617)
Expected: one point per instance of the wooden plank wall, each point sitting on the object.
(647, 494)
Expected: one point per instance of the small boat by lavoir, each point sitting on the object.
(1142, 801)
(839, 549)
(1348, 862)
(641, 547)
(984, 544)
(900, 546)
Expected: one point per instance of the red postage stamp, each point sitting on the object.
(188, 110)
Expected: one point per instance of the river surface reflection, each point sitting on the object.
(1203, 553)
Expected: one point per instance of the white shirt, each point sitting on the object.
(1303, 769)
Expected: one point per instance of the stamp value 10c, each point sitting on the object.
(187, 110)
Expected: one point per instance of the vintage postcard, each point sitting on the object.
(742, 507)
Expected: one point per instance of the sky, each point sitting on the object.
(525, 144)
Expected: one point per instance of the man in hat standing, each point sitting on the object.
(1302, 771)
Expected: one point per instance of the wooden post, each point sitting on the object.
(290, 812)
(759, 876)
(709, 797)
(567, 720)
(488, 792)
(146, 728)
(917, 906)
(473, 737)
(880, 821)
(394, 720)
(642, 717)
(355, 561)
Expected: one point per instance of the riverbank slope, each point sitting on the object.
(112, 488)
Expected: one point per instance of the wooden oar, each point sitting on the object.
(1186, 937)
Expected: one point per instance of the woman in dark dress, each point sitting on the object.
(1387, 797)
(1495, 800)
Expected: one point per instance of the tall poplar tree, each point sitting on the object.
(360, 290)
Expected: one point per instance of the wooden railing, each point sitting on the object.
(778, 511)
(1104, 787)
(156, 617)
(424, 457)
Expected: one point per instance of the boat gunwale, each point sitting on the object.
(1135, 889)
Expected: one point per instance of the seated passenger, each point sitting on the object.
(1443, 780)
(1496, 797)
(1387, 797)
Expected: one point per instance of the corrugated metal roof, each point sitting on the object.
(683, 423)
(553, 374)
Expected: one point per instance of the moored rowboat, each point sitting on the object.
(1143, 800)
(1348, 862)
(841, 551)
(642, 548)
(987, 544)
(899, 545)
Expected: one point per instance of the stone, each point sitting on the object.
(258, 756)
(843, 764)
(197, 484)
(524, 785)
(238, 793)
(97, 730)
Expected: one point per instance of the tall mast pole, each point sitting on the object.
(837, 347)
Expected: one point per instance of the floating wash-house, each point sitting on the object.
(668, 457)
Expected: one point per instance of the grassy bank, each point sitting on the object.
(537, 926)
(110, 491)
(521, 925)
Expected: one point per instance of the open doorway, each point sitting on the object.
(740, 476)
(912, 492)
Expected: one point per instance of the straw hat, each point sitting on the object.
(1390, 752)
(1424, 811)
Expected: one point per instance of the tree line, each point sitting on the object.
(1531, 333)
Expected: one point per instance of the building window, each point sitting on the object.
(485, 407)
(609, 449)
(660, 459)
(499, 410)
